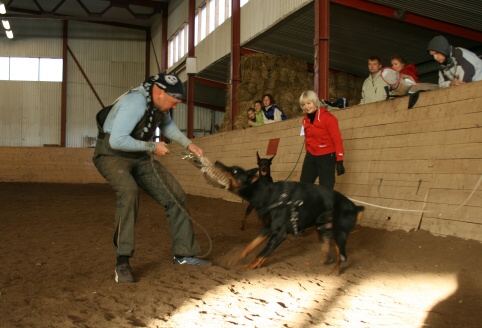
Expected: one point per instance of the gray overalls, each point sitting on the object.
(125, 172)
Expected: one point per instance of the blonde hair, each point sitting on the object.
(310, 96)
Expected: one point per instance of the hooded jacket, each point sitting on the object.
(273, 113)
(259, 118)
(459, 62)
(373, 89)
(412, 71)
(323, 135)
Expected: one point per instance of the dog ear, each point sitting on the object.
(257, 156)
(271, 159)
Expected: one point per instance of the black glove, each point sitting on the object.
(340, 169)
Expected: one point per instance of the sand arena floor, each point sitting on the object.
(58, 271)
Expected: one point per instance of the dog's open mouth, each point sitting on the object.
(264, 172)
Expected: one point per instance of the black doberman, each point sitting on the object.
(292, 206)
(264, 171)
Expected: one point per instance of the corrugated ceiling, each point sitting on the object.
(355, 34)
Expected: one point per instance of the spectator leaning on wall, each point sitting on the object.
(374, 86)
(457, 65)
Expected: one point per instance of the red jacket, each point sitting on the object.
(411, 70)
(323, 136)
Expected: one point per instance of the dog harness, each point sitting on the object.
(293, 204)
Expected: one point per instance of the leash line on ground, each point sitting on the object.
(393, 208)
(182, 207)
(420, 211)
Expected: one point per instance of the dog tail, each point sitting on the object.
(360, 210)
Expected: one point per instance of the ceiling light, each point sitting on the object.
(2, 8)
(6, 24)
(9, 34)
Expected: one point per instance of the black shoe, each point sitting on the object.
(123, 273)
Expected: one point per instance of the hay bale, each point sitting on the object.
(285, 78)
(226, 124)
(244, 94)
(346, 86)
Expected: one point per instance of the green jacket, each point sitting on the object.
(259, 118)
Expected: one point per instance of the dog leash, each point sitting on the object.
(297, 161)
(212, 174)
(190, 157)
(195, 161)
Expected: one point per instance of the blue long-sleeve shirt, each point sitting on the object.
(124, 116)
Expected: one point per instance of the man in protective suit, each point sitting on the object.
(123, 157)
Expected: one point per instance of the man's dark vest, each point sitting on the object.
(140, 132)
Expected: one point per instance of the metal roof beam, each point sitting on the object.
(412, 19)
(211, 83)
(160, 5)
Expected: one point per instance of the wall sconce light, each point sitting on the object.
(9, 34)
(6, 24)
(191, 68)
(3, 11)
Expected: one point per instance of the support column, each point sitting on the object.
(147, 72)
(235, 57)
(322, 48)
(190, 78)
(164, 45)
(63, 105)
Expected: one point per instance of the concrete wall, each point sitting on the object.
(418, 168)
(112, 58)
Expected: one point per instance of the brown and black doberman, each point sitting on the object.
(290, 207)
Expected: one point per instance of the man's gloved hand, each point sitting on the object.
(340, 169)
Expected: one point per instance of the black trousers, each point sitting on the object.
(321, 167)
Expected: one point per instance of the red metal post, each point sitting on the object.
(164, 41)
(63, 105)
(322, 48)
(147, 72)
(190, 78)
(235, 57)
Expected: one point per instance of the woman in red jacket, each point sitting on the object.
(323, 142)
(400, 65)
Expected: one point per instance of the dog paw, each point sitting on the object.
(234, 260)
(256, 263)
(336, 270)
(245, 267)
(329, 261)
